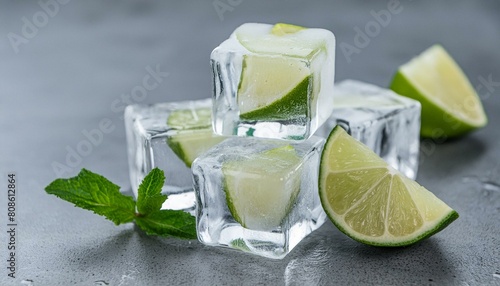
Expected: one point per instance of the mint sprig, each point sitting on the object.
(93, 192)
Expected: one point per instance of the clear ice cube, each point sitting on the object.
(273, 86)
(258, 195)
(386, 122)
(152, 142)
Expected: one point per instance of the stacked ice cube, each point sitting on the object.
(252, 191)
(258, 195)
(154, 136)
(273, 81)
(379, 118)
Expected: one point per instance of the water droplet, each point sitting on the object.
(485, 184)
(100, 283)
(491, 186)
(129, 275)
(28, 282)
(308, 269)
(496, 275)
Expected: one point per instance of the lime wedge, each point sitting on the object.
(282, 29)
(372, 202)
(190, 118)
(190, 145)
(450, 106)
(261, 189)
(273, 88)
(195, 135)
(281, 39)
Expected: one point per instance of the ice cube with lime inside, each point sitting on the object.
(273, 81)
(389, 124)
(169, 136)
(258, 195)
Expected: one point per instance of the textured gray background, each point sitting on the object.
(66, 78)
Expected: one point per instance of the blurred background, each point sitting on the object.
(66, 65)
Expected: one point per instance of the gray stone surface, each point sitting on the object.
(73, 71)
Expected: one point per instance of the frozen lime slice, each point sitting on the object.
(281, 39)
(189, 145)
(190, 118)
(282, 29)
(261, 189)
(450, 106)
(372, 202)
(273, 88)
(194, 136)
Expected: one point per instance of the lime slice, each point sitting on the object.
(190, 118)
(195, 135)
(281, 39)
(282, 29)
(273, 88)
(450, 106)
(191, 144)
(372, 202)
(261, 189)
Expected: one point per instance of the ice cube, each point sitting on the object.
(258, 195)
(273, 81)
(384, 121)
(169, 136)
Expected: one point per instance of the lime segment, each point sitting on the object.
(273, 88)
(282, 29)
(261, 189)
(375, 204)
(450, 105)
(190, 118)
(194, 136)
(191, 144)
(281, 39)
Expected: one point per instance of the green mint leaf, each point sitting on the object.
(150, 198)
(168, 223)
(96, 193)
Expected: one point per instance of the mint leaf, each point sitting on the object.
(168, 223)
(150, 198)
(96, 193)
